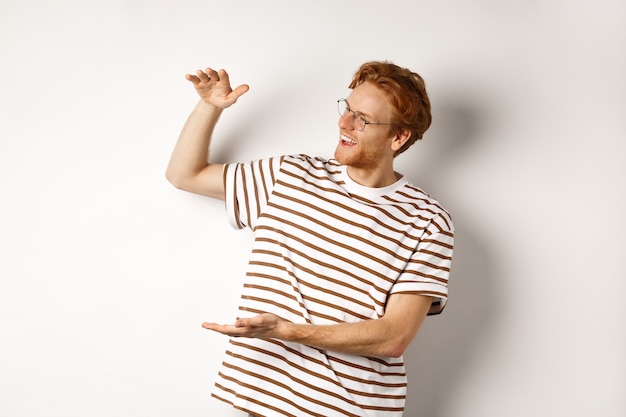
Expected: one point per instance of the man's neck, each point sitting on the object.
(372, 178)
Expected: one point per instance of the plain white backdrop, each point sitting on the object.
(107, 271)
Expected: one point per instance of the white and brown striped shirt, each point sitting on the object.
(327, 250)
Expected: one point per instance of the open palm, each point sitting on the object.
(214, 87)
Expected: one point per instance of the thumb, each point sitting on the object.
(239, 91)
(241, 322)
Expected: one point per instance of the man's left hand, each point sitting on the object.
(263, 326)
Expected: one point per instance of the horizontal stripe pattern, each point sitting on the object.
(327, 251)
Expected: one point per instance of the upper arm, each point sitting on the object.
(209, 182)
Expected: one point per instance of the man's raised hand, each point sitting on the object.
(214, 88)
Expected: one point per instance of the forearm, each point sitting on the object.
(377, 337)
(190, 155)
(389, 335)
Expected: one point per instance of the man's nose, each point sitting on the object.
(345, 121)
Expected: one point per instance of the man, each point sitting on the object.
(348, 258)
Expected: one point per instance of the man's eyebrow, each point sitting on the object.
(367, 116)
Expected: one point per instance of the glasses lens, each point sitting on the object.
(359, 121)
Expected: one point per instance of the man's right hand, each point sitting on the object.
(214, 88)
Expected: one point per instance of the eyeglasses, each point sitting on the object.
(358, 119)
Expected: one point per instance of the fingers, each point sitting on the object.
(228, 330)
(192, 78)
(205, 76)
(213, 75)
(220, 328)
(210, 326)
(261, 326)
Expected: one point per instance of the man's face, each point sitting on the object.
(369, 149)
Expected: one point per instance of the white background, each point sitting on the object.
(107, 271)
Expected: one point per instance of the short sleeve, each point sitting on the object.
(428, 270)
(247, 190)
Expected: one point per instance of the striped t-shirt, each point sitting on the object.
(327, 250)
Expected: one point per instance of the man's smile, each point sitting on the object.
(348, 140)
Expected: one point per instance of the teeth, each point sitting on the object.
(347, 139)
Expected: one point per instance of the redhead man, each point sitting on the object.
(349, 256)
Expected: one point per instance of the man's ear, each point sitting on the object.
(402, 136)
